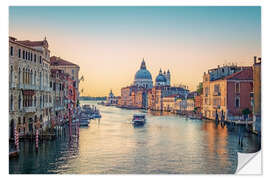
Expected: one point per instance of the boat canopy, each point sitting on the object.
(139, 115)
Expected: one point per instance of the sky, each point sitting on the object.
(109, 43)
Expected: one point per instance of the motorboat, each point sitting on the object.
(138, 119)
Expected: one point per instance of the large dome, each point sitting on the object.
(143, 77)
(143, 74)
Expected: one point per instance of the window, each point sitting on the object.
(23, 54)
(40, 101)
(217, 89)
(19, 120)
(19, 76)
(40, 60)
(11, 50)
(19, 102)
(31, 57)
(72, 71)
(237, 102)
(35, 58)
(35, 78)
(19, 53)
(237, 87)
(11, 102)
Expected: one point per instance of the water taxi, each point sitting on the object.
(138, 119)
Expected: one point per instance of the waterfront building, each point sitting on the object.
(142, 94)
(227, 91)
(190, 102)
(29, 91)
(198, 104)
(60, 92)
(169, 102)
(126, 96)
(157, 94)
(257, 93)
(69, 68)
(111, 99)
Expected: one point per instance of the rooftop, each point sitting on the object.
(57, 61)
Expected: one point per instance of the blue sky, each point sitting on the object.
(196, 38)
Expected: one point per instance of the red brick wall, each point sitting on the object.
(245, 89)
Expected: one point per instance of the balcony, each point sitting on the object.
(30, 109)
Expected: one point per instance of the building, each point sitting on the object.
(198, 104)
(257, 93)
(69, 68)
(163, 79)
(142, 94)
(111, 99)
(29, 90)
(169, 102)
(157, 94)
(60, 85)
(126, 97)
(227, 91)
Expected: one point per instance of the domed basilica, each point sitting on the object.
(143, 78)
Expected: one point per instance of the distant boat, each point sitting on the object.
(138, 119)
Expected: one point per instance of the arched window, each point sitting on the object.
(19, 102)
(31, 77)
(19, 76)
(23, 76)
(40, 101)
(11, 74)
(11, 102)
(28, 76)
(40, 79)
(35, 78)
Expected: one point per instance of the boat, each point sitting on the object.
(14, 154)
(84, 123)
(138, 119)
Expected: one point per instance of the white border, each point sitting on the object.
(4, 72)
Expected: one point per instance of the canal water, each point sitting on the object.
(166, 144)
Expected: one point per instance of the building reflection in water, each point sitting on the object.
(165, 144)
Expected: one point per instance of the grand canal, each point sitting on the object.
(165, 144)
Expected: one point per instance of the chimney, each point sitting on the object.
(255, 57)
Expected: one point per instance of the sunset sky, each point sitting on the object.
(108, 43)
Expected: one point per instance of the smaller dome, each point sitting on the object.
(161, 78)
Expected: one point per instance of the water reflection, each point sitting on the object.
(164, 144)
